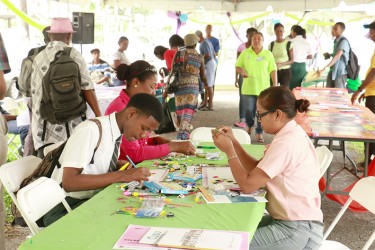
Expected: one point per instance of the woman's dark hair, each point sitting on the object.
(121, 39)
(251, 31)
(299, 30)
(160, 50)
(283, 99)
(176, 41)
(140, 69)
(277, 25)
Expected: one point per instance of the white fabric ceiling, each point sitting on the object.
(235, 5)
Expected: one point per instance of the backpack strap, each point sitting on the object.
(67, 50)
(100, 137)
(272, 44)
(288, 44)
(350, 48)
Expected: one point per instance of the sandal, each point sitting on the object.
(207, 109)
(202, 107)
(260, 139)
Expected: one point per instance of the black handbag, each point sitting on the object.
(174, 78)
(166, 125)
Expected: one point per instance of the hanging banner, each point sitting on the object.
(312, 22)
(23, 16)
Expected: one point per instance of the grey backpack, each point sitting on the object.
(62, 98)
(24, 79)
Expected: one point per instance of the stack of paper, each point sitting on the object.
(143, 237)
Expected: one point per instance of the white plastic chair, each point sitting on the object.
(35, 199)
(14, 147)
(203, 134)
(39, 197)
(359, 193)
(325, 157)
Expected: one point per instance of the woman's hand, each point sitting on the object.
(228, 132)
(222, 140)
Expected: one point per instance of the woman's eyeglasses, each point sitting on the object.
(261, 115)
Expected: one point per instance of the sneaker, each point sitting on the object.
(240, 124)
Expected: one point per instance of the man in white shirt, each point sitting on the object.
(85, 169)
(301, 52)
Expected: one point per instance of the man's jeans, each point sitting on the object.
(339, 82)
(22, 131)
(280, 234)
(250, 108)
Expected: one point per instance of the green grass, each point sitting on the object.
(7, 200)
(358, 148)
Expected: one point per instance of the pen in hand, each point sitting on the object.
(207, 147)
(124, 166)
(130, 160)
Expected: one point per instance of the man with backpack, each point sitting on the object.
(337, 75)
(60, 88)
(368, 84)
(24, 86)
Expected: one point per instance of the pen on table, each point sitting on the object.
(207, 147)
(130, 160)
(124, 166)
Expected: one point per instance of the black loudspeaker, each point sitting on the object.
(83, 24)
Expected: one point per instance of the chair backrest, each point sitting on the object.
(325, 157)
(39, 197)
(204, 134)
(13, 173)
(361, 193)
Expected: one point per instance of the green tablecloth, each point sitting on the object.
(94, 225)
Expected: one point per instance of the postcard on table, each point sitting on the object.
(131, 237)
(196, 238)
(158, 174)
(230, 198)
(218, 175)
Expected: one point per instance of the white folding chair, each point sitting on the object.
(39, 197)
(325, 157)
(359, 193)
(13, 147)
(35, 199)
(203, 134)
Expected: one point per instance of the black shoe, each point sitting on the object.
(19, 221)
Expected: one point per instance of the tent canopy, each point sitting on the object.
(238, 5)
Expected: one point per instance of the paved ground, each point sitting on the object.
(353, 230)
